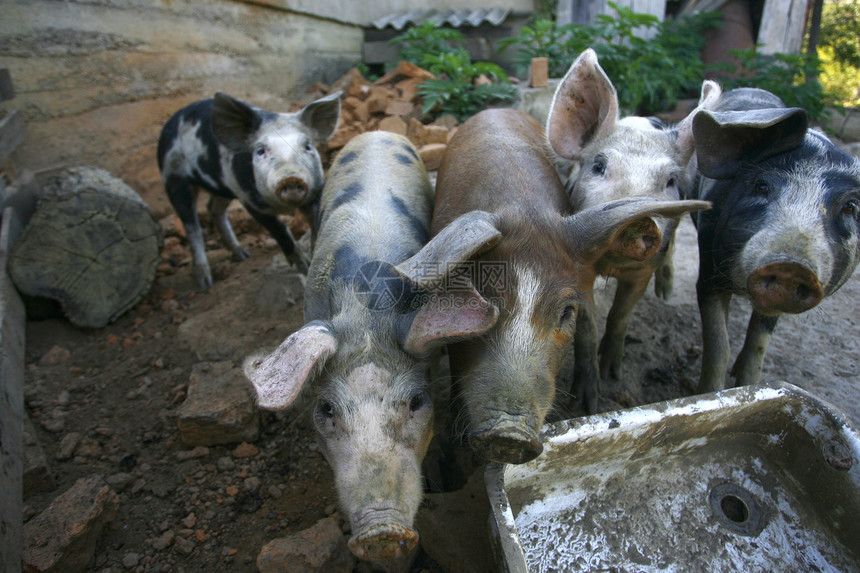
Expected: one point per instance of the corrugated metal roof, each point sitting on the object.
(456, 18)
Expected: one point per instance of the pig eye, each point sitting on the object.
(309, 147)
(761, 187)
(599, 165)
(260, 150)
(417, 401)
(851, 208)
(326, 409)
(568, 312)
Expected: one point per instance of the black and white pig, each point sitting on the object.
(266, 160)
(785, 228)
(609, 158)
(376, 309)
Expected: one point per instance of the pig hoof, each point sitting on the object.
(203, 277)
(241, 254)
(386, 542)
(509, 445)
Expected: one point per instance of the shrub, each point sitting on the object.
(455, 90)
(792, 77)
(649, 75)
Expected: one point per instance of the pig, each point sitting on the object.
(538, 274)
(266, 160)
(605, 158)
(785, 228)
(377, 307)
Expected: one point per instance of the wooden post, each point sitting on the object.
(12, 328)
(539, 75)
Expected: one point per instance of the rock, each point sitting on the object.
(394, 124)
(93, 245)
(432, 154)
(399, 107)
(63, 537)
(245, 450)
(220, 407)
(281, 285)
(56, 355)
(67, 445)
(322, 547)
(37, 476)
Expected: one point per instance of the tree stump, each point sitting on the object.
(92, 245)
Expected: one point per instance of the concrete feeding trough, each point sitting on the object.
(759, 478)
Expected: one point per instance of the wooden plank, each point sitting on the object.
(7, 90)
(12, 133)
(782, 24)
(12, 325)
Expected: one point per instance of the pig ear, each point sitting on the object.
(725, 140)
(447, 317)
(709, 99)
(278, 377)
(322, 116)
(467, 235)
(584, 107)
(597, 230)
(233, 122)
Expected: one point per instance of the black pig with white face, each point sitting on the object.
(266, 160)
(785, 228)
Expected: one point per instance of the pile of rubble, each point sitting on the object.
(391, 103)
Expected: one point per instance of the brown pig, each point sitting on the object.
(538, 274)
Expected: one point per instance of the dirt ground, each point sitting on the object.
(192, 510)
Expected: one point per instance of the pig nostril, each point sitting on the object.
(803, 292)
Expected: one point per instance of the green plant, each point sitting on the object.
(427, 39)
(792, 77)
(455, 91)
(649, 74)
(840, 31)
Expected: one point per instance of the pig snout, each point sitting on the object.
(639, 240)
(507, 443)
(510, 438)
(292, 190)
(785, 287)
(378, 535)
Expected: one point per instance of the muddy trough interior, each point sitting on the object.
(749, 479)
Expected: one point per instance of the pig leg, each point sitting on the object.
(714, 310)
(183, 197)
(284, 238)
(586, 375)
(747, 368)
(665, 276)
(217, 207)
(611, 348)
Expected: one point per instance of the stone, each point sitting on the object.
(37, 475)
(377, 99)
(394, 124)
(55, 356)
(399, 107)
(322, 547)
(220, 407)
(67, 446)
(432, 154)
(281, 285)
(63, 537)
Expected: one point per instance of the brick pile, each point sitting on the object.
(390, 103)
